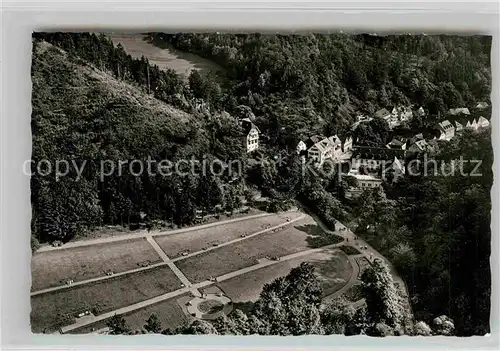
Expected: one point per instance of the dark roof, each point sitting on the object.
(248, 125)
(382, 112)
(313, 140)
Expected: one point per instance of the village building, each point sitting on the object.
(362, 182)
(458, 126)
(482, 123)
(418, 146)
(446, 129)
(402, 114)
(396, 144)
(383, 113)
(396, 170)
(482, 105)
(420, 112)
(371, 159)
(251, 134)
(347, 146)
(301, 147)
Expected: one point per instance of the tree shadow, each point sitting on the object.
(317, 237)
(245, 307)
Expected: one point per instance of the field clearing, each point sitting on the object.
(299, 236)
(196, 240)
(332, 267)
(52, 309)
(53, 268)
(165, 58)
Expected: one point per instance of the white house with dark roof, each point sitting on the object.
(482, 105)
(446, 129)
(362, 182)
(252, 134)
(301, 147)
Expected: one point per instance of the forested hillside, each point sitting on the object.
(93, 102)
(85, 116)
(303, 81)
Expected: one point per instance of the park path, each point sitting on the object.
(184, 280)
(145, 233)
(165, 258)
(369, 253)
(130, 308)
(350, 283)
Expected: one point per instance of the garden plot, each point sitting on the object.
(332, 268)
(59, 308)
(197, 240)
(298, 236)
(55, 267)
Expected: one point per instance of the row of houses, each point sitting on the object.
(448, 129)
(320, 148)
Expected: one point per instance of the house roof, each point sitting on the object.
(395, 142)
(248, 125)
(359, 176)
(334, 139)
(397, 164)
(382, 113)
(482, 104)
(456, 111)
(482, 120)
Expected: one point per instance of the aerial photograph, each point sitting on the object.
(260, 184)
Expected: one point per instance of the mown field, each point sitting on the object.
(169, 312)
(196, 240)
(50, 310)
(53, 268)
(332, 267)
(299, 236)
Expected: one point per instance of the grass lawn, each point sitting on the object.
(169, 313)
(332, 268)
(104, 296)
(196, 240)
(53, 268)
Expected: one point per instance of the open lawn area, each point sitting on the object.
(196, 240)
(299, 236)
(53, 268)
(52, 309)
(332, 267)
(169, 312)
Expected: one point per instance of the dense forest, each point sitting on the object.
(90, 119)
(93, 102)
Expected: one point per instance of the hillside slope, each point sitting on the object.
(91, 120)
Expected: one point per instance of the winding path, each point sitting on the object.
(369, 253)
